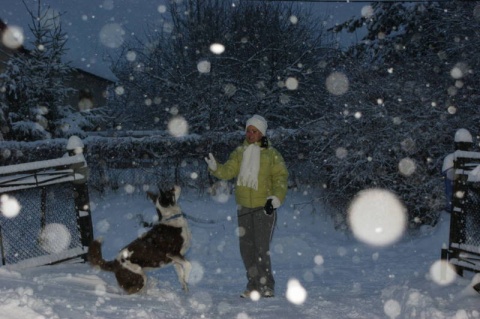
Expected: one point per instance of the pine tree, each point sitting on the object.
(35, 81)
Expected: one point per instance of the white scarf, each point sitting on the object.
(250, 167)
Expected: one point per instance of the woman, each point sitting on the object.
(260, 189)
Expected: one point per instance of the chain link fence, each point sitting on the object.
(471, 207)
(45, 213)
(46, 224)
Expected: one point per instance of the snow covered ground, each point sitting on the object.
(320, 273)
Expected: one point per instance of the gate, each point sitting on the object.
(53, 222)
(463, 250)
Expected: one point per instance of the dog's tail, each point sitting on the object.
(96, 259)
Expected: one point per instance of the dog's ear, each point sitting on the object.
(176, 190)
(152, 196)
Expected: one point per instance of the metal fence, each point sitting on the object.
(53, 222)
(47, 224)
(463, 249)
(471, 207)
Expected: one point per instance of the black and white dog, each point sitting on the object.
(165, 243)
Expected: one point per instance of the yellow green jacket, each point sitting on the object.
(272, 177)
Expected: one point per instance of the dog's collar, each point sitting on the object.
(174, 217)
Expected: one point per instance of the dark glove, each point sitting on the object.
(268, 208)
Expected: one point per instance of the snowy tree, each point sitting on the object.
(213, 62)
(35, 81)
(381, 114)
(414, 88)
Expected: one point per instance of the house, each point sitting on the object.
(91, 89)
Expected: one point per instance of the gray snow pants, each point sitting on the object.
(255, 233)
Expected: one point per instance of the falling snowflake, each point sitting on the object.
(9, 206)
(337, 83)
(377, 217)
(13, 37)
(178, 126)
(55, 238)
(296, 294)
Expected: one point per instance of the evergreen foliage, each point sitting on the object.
(35, 82)
(414, 89)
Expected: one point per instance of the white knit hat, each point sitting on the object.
(259, 122)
